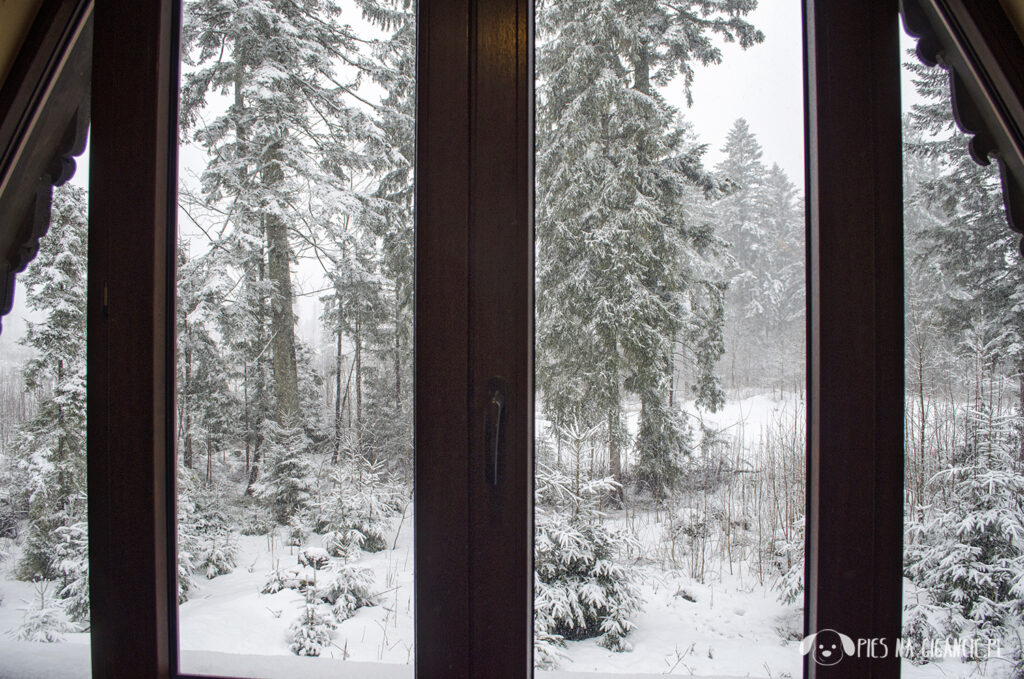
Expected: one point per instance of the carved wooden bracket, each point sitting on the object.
(44, 119)
(976, 43)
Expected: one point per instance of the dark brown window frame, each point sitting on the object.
(474, 321)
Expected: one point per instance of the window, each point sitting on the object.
(474, 324)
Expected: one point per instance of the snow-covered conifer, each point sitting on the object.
(51, 446)
(623, 272)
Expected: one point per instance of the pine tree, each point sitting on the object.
(968, 553)
(761, 220)
(622, 272)
(965, 236)
(582, 589)
(51, 446)
(208, 410)
(282, 154)
(287, 486)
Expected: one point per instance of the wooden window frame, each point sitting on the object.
(474, 321)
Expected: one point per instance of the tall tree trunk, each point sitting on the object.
(338, 395)
(359, 385)
(398, 350)
(614, 454)
(259, 359)
(186, 409)
(245, 404)
(642, 71)
(282, 320)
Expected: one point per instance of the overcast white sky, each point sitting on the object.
(763, 84)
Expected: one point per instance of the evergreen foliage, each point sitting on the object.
(967, 554)
(311, 633)
(44, 620)
(624, 271)
(50, 447)
(72, 564)
(790, 584)
(763, 222)
(581, 589)
(206, 544)
(357, 509)
(286, 488)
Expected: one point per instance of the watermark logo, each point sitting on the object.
(829, 647)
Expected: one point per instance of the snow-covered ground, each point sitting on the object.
(730, 625)
(228, 614)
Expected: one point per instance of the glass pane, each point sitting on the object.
(294, 337)
(670, 344)
(44, 550)
(964, 518)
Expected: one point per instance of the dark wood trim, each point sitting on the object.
(442, 389)
(44, 116)
(855, 304)
(129, 376)
(976, 43)
(501, 283)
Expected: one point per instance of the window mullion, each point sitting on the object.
(131, 221)
(501, 339)
(441, 340)
(855, 297)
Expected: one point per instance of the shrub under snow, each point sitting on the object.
(311, 633)
(581, 589)
(44, 620)
(967, 553)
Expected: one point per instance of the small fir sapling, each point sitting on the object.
(581, 588)
(311, 633)
(206, 544)
(348, 590)
(343, 543)
(73, 565)
(345, 588)
(967, 552)
(259, 520)
(219, 556)
(44, 619)
(924, 622)
(358, 509)
(790, 584)
(297, 533)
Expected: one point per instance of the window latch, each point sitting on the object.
(494, 430)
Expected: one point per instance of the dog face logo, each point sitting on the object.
(828, 645)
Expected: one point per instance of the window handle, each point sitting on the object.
(494, 430)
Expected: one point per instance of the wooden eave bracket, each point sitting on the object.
(976, 43)
(44, 120)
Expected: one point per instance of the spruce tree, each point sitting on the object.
(51, 445)
(284, 149)
(208, 412)
(622, 272)
(764, 226)
(968, 553)
(971, 256)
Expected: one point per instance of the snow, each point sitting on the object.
(228, 614)
(729, 626)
